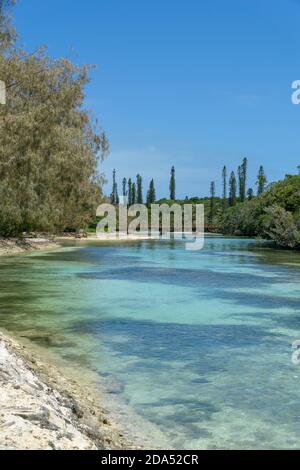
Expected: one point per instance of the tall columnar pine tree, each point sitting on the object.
(212, 202)
(115, 188)
(139, 185)
(133, 194)
(242, 174)
(130, 192)
(114, 195)
(232, 189)
(151, 196)
(124, 190)
(172, 185)
(261, 181)
(239, 175)
(224, 182)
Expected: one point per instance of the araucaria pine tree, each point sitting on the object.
(224, 181)
(242, 174)
(124, 191)
(261, 181)
(133, 193)
(139, 184)
(232, 189)
(114, 195)
(130, 192)
(212, 202)
(172, 185)
(151, 196)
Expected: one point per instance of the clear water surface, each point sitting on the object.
(193, 349)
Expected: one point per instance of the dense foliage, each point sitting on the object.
(274, 214)
(49, 147)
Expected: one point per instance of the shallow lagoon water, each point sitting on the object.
(192, 348)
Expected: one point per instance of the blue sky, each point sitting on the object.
(194, 83)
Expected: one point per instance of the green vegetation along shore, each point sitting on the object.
(272, 213)
(50, 147)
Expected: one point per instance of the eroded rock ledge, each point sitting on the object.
(13, 246)
(40, 409)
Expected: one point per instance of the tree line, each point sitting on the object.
(238, 191)
(132, 190)
(271, 212)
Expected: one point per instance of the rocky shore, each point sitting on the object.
(41, 409)
(13, 246)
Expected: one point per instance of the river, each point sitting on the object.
(192, 349)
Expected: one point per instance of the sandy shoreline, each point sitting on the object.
(121, 237)
(105, 238)
(42, 409)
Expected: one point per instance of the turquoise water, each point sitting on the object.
(193, 349)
